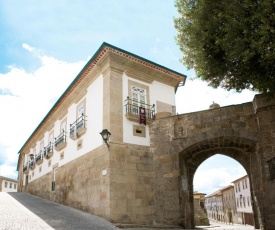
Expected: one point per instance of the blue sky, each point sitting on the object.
(44, 45)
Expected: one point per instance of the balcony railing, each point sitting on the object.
(78, 128)
(60, 141)
(132, 110)
(48, 151)
(26, 168)
(32, 164)
(39, 158)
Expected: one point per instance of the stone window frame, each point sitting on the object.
(132, 83)
(51, 133)
(79, 144)
(64, 120)
(82, 102)
(53, 176)
(41, 146)
(140, 128)
(62, 154)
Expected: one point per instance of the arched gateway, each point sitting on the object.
(181, 143)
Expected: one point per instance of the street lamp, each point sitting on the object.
(105, 136)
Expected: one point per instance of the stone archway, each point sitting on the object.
(181, 143)
(190, 159)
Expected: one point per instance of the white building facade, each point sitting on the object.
(243, 200)
(8, 184)
(214, 206)
(234, 201)
(65, 158)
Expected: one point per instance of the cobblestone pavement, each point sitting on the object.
(221, 226)
(24, 211)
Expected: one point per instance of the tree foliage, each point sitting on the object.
(229, 43)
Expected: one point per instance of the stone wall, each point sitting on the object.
(83, 183)
(181, 143)
(132, 190)
(116, 184)
(263, 186)
(200, 213)
(154, 185)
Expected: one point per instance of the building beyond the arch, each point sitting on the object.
(144, 174)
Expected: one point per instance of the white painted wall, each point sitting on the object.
(245, 193)
(163, 93)
(91, 139)
(94, 116)
(158, 92)
(8, 188)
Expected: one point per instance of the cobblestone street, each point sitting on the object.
(221, 226)
(22, 211)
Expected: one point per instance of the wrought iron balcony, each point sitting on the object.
(48, 151)
(60, 141)
(39, 158)
(133, 110)
(78, 128)
(26, 168)
(32, 164)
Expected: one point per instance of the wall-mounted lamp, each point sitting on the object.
(105, 136)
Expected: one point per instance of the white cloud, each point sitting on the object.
(208, 181)
(27, 47)
(36, 93)
(196, 95)
(9, 171)
(217, 172)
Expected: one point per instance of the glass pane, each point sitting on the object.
(135, 103)
(142, 101)
(80, 111)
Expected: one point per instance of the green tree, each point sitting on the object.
(229, 43)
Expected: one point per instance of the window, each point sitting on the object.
(6, 184)
(239, 187)
(14, 186)
(51, 137)
(244, 202)
(42, 146)
(248, 203)
(54, 178)
(245, 183)
(78, 128)
(241, 205)
(138, 97)
(10, 185)
(63, 125)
